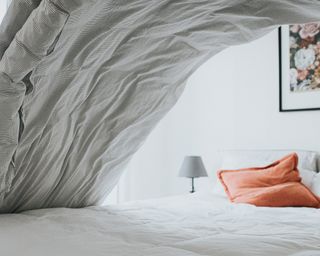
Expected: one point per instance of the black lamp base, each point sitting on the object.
(192, 186)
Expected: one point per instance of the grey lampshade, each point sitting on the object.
(193, 167)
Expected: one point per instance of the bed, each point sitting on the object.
(189, 225)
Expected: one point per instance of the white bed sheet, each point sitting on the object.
(191, 225)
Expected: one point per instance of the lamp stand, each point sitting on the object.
(192, 185)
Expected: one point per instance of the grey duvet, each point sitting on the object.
(83, 82)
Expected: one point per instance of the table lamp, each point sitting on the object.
(192, 167)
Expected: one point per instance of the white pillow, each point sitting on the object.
(315, 186)
(311, 180)
(307, 177)
(218, 188)
(236, 159)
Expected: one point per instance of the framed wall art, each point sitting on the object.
(299, 59)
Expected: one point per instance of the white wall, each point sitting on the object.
(231, 102)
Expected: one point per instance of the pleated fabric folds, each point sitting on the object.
(83, 82)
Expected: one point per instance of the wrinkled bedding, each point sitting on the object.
(82, 83)
(193, 225)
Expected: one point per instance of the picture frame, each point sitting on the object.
(299, 89)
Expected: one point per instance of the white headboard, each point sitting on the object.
(235, 159)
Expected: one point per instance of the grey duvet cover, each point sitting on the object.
(83, 82)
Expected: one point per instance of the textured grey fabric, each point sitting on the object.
(114, 71)
(17, 15)
(11, 98)
(26, 50)
(33, 41)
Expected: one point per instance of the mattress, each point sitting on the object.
(189, 225)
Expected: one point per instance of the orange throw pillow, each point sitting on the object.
(276, 185)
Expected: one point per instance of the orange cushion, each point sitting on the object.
(276, 185)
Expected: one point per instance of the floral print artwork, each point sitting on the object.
(305, 57)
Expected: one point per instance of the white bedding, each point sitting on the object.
(199, 224)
